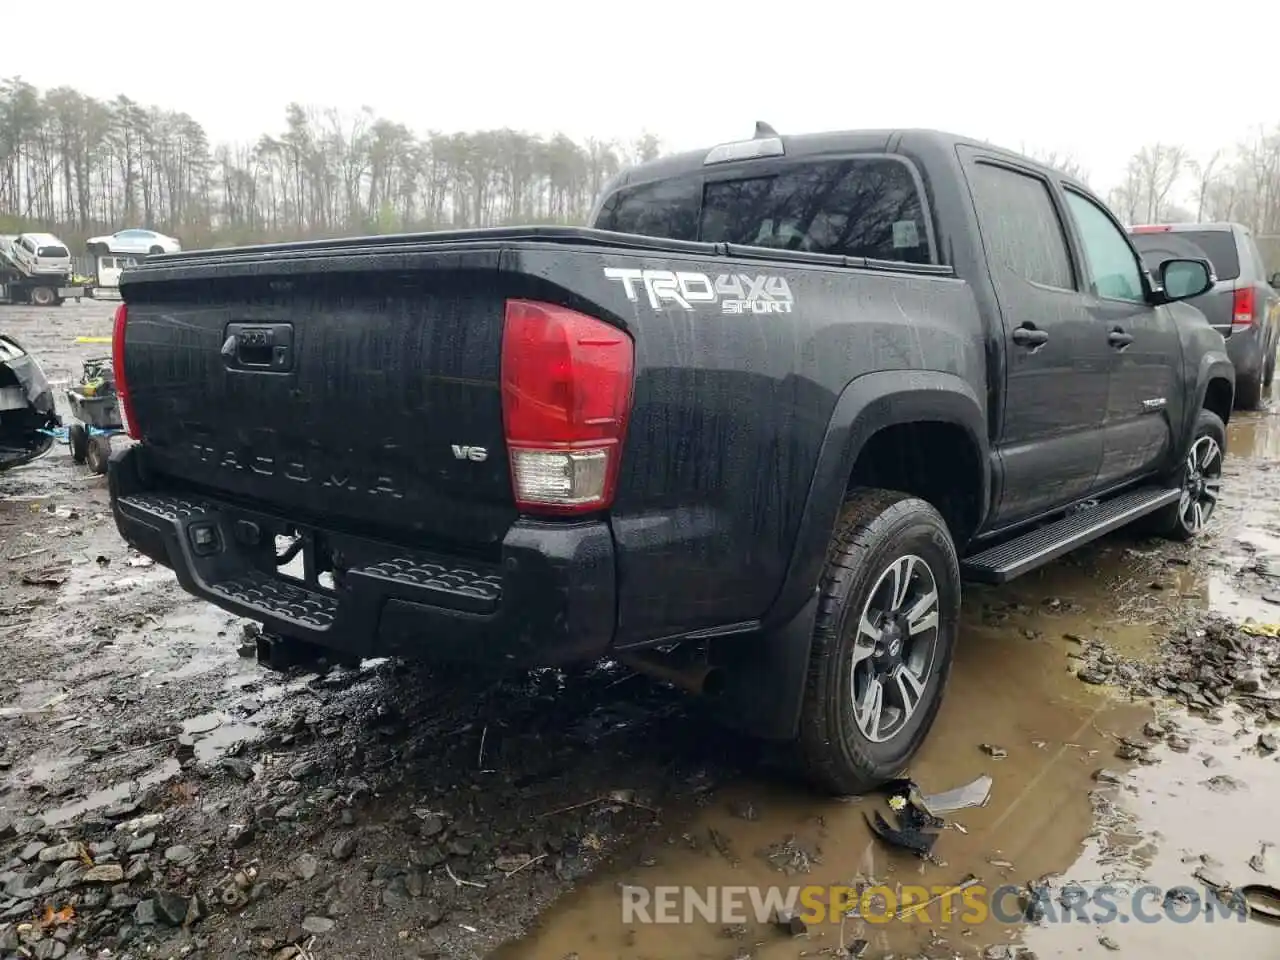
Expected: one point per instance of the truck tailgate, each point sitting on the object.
(364, 397)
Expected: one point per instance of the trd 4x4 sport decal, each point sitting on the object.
(734, 292)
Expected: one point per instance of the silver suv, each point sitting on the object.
(1243, 306)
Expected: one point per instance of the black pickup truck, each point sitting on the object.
(749, 431)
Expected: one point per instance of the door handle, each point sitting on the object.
(252, 347)
(1028, 336)
(1119, 339)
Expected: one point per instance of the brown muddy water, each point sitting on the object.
(468, 804)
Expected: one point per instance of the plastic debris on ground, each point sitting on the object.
(975, 794)
(917, 816)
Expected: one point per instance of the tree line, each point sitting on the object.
(78, 166)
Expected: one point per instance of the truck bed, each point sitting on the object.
(373, 412)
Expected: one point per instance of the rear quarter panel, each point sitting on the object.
(730, 413)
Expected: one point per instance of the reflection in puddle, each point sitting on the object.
(1254, 436)
(1170, 822)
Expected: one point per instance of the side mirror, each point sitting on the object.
(1275, 280)
(1184, 279)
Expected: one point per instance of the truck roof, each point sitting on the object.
(818, 144)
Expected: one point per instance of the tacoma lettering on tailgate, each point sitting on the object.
(355, 475)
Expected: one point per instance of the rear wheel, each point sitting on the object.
(98, 453)
(43, 296)
(78, 439)
(1200, 479)
(882, 645)
(154, 250)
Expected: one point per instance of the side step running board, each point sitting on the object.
(1037, 547)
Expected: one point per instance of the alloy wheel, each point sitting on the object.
(894, 648)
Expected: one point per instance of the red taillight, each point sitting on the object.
(117, 366)
(1242, 308)
(1150, 228)
(566, 395)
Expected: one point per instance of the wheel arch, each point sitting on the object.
(895, 406)
(767, 669)
(1218, 395)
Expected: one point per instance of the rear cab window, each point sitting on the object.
(860, 206)
(1216, 246)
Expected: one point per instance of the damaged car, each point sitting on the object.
(27, 414)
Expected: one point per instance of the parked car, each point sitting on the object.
(133, 241)
(747, 433)
(1243, 306)
(27, 413)
(42, 254)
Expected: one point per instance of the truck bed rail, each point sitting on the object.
(498, 237)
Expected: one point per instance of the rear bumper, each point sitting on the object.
(1244, 347)
(550, 599)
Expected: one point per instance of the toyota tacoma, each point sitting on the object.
(749, 431)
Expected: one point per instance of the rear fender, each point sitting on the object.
(866, 406)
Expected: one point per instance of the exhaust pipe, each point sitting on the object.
(700, 679)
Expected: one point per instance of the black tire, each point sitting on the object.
(154, 250)
(877, 530)
(1176, 521)
(98, 453)
(1249, 393)
(78, 439)
(43, 296)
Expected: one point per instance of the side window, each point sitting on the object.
(856, 207)
(1020, 226)
(664, 208)
(1259, 265)
(1116, 275)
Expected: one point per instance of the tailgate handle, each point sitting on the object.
(266, 347)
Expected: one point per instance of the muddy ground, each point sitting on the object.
(163, 796)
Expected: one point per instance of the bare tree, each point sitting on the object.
(1203, 172)
(1066, 163)
(80, 166)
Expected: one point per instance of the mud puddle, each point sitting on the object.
(1014, 686)
(1011, 689)
(1192, 817)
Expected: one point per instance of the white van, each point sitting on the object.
(42, 253)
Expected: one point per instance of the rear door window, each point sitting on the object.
(1020, 225)
(55, 252)
(1216, 246)
(856, 207)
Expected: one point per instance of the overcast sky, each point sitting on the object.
(1079, 78)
